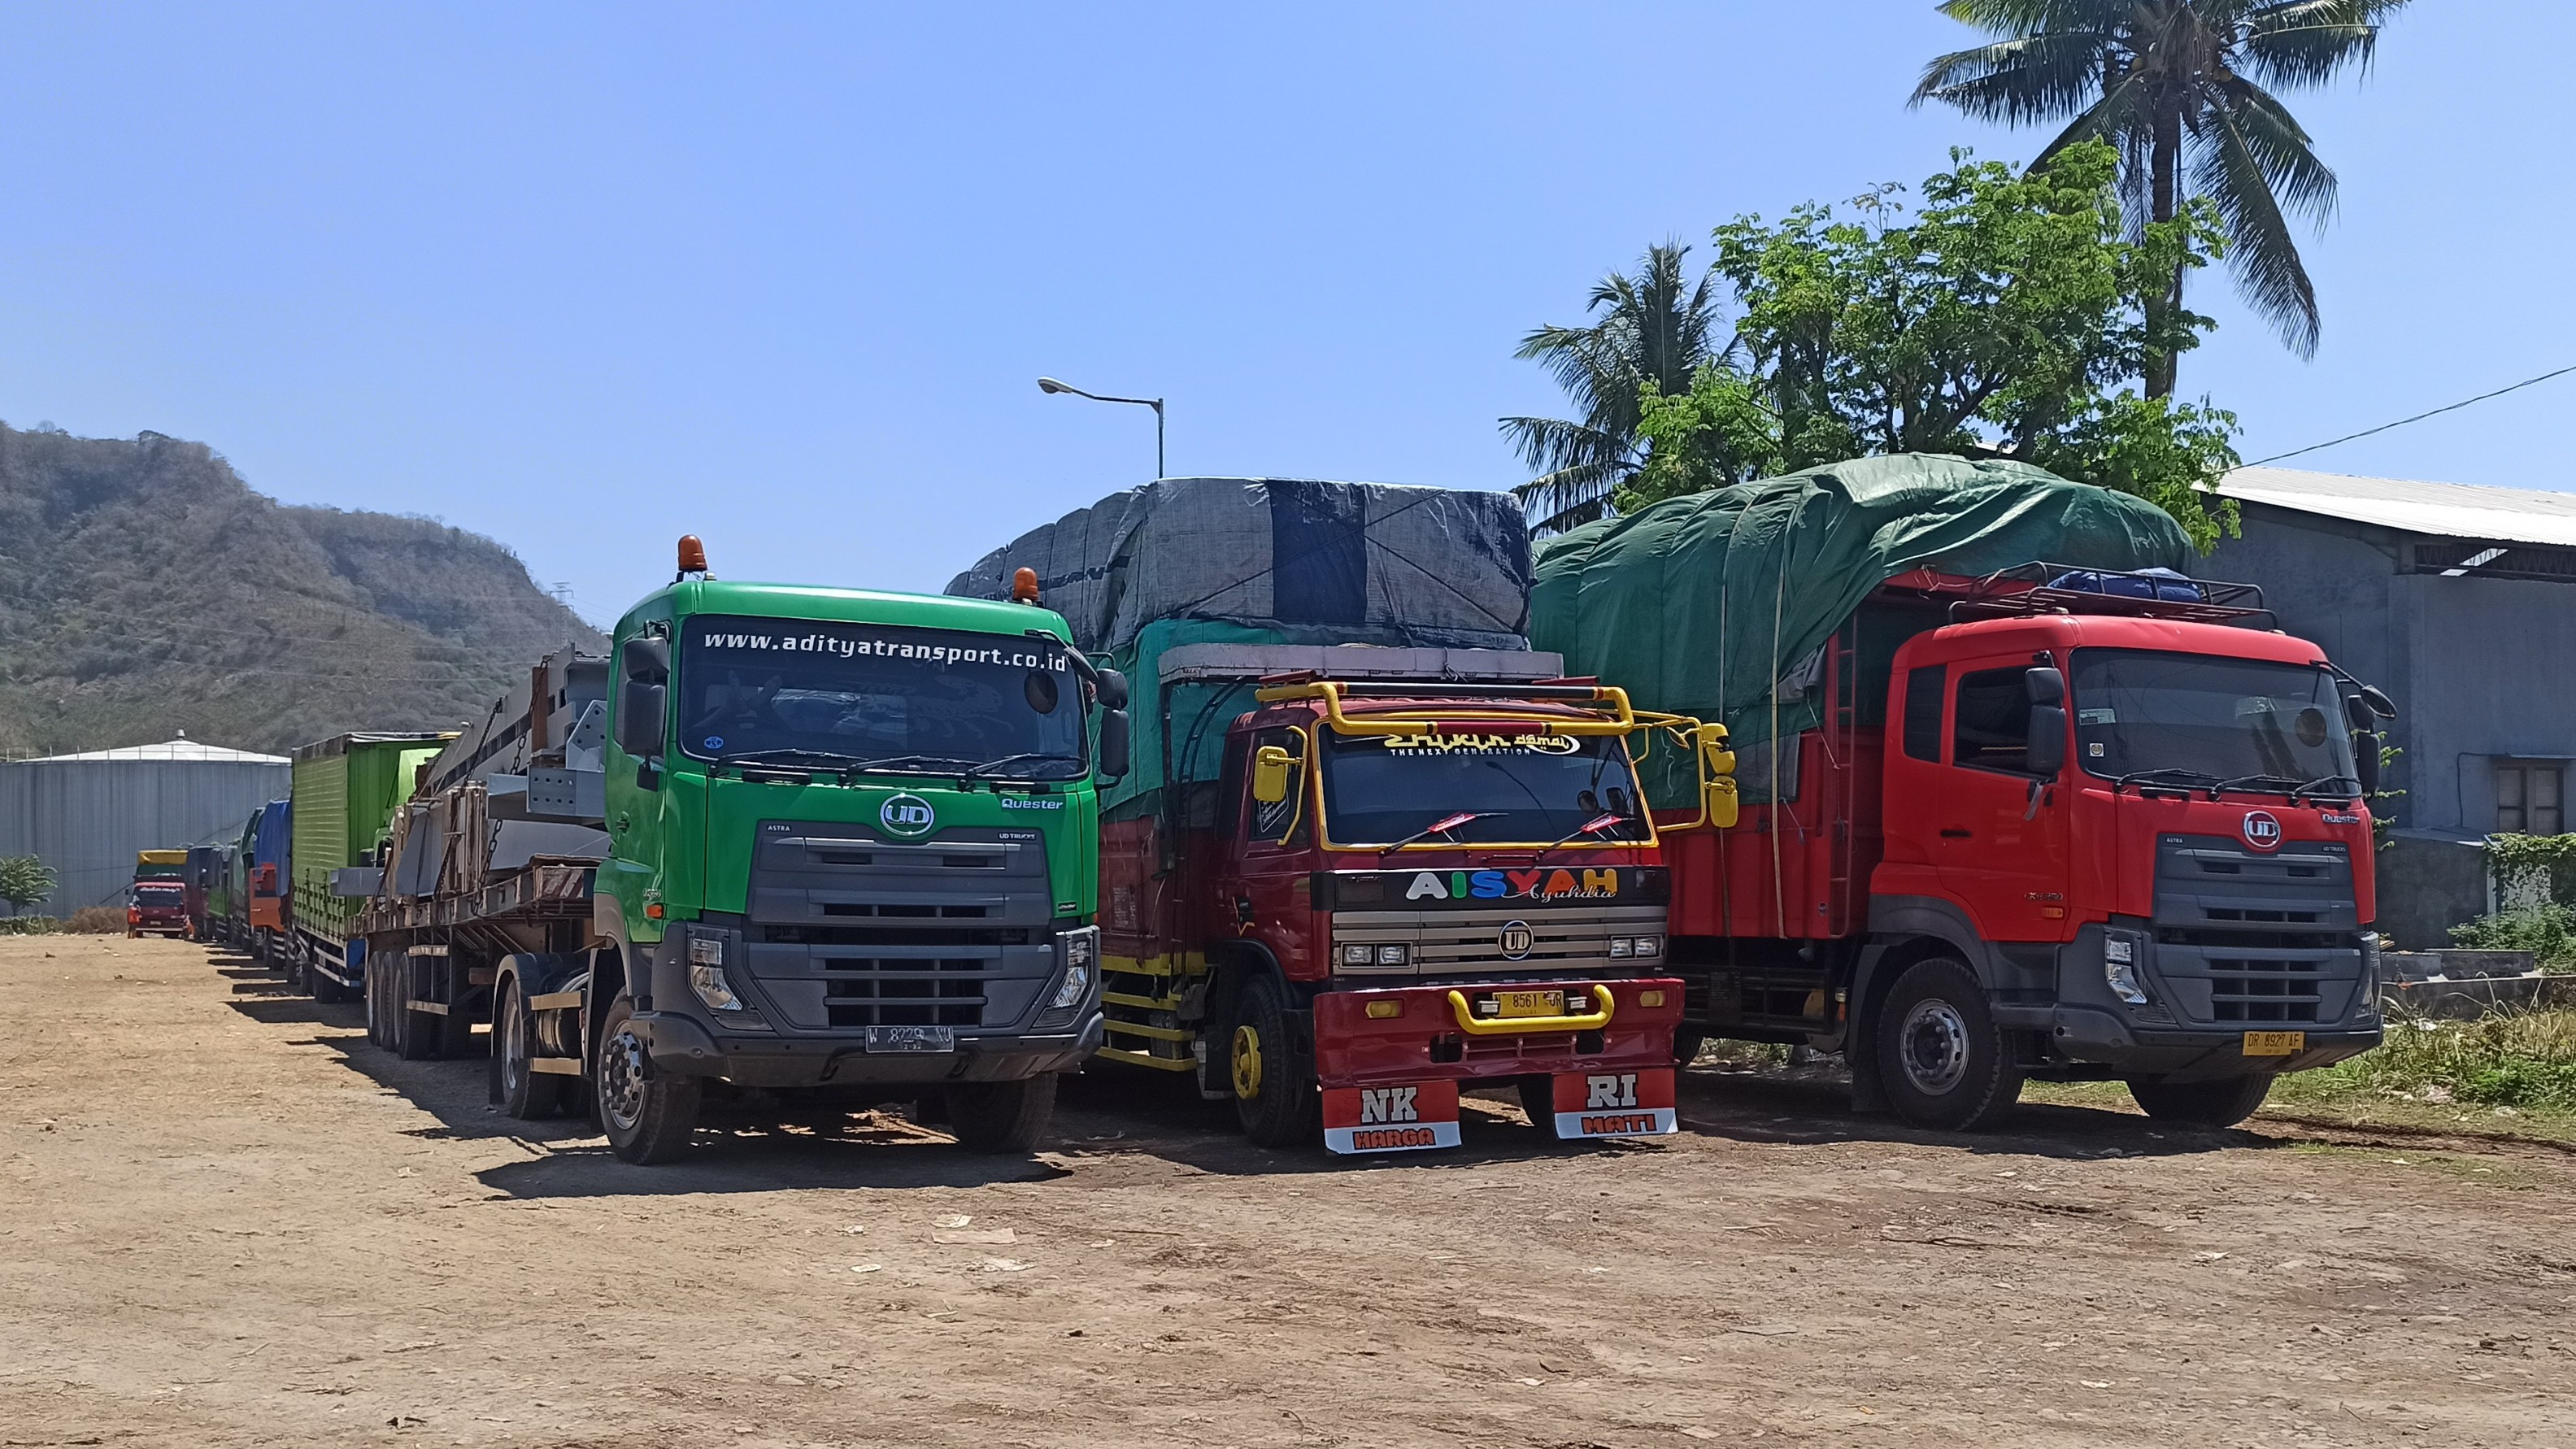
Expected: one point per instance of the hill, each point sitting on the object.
(145, 589)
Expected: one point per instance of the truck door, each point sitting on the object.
(1270, 894)
(1999, 841)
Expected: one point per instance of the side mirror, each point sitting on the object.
(2044, 684)
(2045, 755)
(1114, 746)
(2365, 761)
(1270, 766)
(2379, 702)
(647, 657)
(639, 720)
(1112, 689)
(1715, 757)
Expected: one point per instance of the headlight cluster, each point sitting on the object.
(1361, 953)
(1081, 964)
(707, 974)
(1624, 947)
(2120, 969)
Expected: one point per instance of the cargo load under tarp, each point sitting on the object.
(1189, 561)
(1714, 604)
(1440, 566)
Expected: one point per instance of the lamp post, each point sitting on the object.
(1050, 385)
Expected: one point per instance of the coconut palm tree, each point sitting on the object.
(2179, 87)
(1658, 325)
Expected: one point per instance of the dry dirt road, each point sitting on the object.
(226, 1220)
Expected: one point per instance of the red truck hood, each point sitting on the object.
(2260, 826)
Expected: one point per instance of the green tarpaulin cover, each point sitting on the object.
(1700, 605)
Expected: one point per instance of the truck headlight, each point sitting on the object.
(712, 987)
(1081, 964)
(2120, 970)
(1650, 945)
(1393, 955)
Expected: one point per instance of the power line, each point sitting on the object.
(2419, 417)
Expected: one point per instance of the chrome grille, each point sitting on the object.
(1562, 938)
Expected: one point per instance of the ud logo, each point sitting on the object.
(906, 815)
(1388, 1104)
(1514, 940)
(1610, 1091)
(2262, 830)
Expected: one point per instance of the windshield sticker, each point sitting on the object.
(856, 643)
(1449, 744)
(2097, 716)
(715, 742)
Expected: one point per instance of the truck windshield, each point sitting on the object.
(2190, 719)
(1517, 789)
(849, 696)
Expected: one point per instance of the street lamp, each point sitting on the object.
(1050, 385)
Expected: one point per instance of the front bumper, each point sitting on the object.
(685, 1047)
(2093, 1034)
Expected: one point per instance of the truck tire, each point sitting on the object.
(1275, 1097)
(1538, 1099)
(416, 1033)
(647, 1114)
(2223, 1102)
(456, 1028)
(524, 1093)
(378, 974)
(1943, 1061)
(1687, 1041)
(326, 990)
(1001, 1116)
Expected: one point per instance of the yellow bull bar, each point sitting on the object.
(1474, 1025)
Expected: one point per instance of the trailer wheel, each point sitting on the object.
(647, 1114)
(416, 1033)
(1944, 1062)
(2220, 1103)
(456, 1028)
(1002, 1116)
(524, 1093)
(378, 971)
(1274, 1081)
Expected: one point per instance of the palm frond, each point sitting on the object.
(2306, 42)
(1554, 445)
(1567, 497)
(2016, 81)
(2300, 182)
(2029, 17)
(2263, 256)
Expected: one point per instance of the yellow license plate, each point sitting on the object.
(1531, 1003)
(2275, 1043)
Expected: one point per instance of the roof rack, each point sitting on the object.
(2034, 588)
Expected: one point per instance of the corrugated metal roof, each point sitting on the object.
(2449, 510)
(182, 748)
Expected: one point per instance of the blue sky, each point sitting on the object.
(583, 277)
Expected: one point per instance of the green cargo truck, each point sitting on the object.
(345, 790)
(800, 850)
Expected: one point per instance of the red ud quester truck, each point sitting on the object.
(1424, 870)
(2048, 821)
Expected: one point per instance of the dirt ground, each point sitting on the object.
(226, 1220)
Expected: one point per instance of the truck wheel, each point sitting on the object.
(1538, 1099)
(522, 1092)
(647, 1114)
(1274, 1082)
(2223, 1102)
(1687, 1041)
(416, 1033)
(1943, 1060)
(456, 1028)
(1001, 1116)
(377, 974)
(325, 990)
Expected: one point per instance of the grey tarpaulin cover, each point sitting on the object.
(1703, 604)
(1430, 561)
(1262, 561)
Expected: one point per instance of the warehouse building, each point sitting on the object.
(86, 815)
(2460, 601)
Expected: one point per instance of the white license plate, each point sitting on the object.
(912, 1038)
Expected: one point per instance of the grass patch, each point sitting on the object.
(2522, 1060)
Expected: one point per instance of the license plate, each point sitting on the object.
(912, 1038)
(1530, 1003)
(2275, 1043)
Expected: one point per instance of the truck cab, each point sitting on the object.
(1407, 882)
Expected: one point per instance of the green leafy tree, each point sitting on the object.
(2004, 317)
(25, 881)
(2180, 87)
(1650, 333)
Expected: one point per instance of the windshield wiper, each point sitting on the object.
(978, 771)
(1592, 826)
(822, 759)
(1439, 827)
(2264, 784)
(2164, 775)
(2320, 782)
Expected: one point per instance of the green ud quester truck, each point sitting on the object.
(811, 849)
